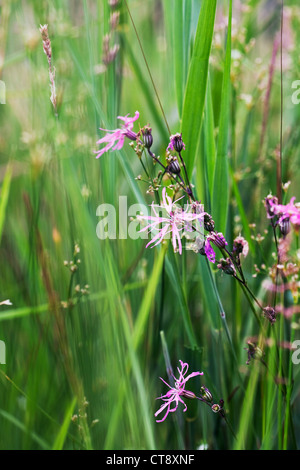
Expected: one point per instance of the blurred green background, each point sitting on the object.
(83, 345)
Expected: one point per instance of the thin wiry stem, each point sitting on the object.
(148, 68)
(279, 162)
(181, 182)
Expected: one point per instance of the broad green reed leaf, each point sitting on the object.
(247, 410)
(178, 52)
(180, 19)
(195, 91)
(220, 198)
(4, 195)
(209, 139)
(269, 406)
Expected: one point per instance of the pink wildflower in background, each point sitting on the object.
(118, 135)
(176, 221)
(287, 211)
(172, 398)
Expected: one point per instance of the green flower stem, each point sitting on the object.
(186, 177)
(246, 291)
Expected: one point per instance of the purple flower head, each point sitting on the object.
(173, 396)
(211, 255)
(118, 135)
(269, 202)
(176, 143)
(218, 240)
(174, 223)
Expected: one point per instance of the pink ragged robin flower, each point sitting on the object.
(115, 138)
(173, 396)
(174, 223)
(285, 212)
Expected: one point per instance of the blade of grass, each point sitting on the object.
(173, 273)
(25, 311)
(41, 442)
(247, 410)
(148, 297)
(62, 434)
(195, 91)
(4, 197)
(242, 212)
(221, 185)
(209, 139)
(178, 51)
(133, 358)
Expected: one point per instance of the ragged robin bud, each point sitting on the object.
(284, 226)
(226, 266)
(206, 395)
(147, 137)
(176, 143)
(174, 167)
(209, 224)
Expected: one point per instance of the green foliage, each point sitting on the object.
(95, 322)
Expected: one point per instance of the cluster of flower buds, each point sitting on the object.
(114, 140)
(230, 263)
(177, 221)
(206, 397)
